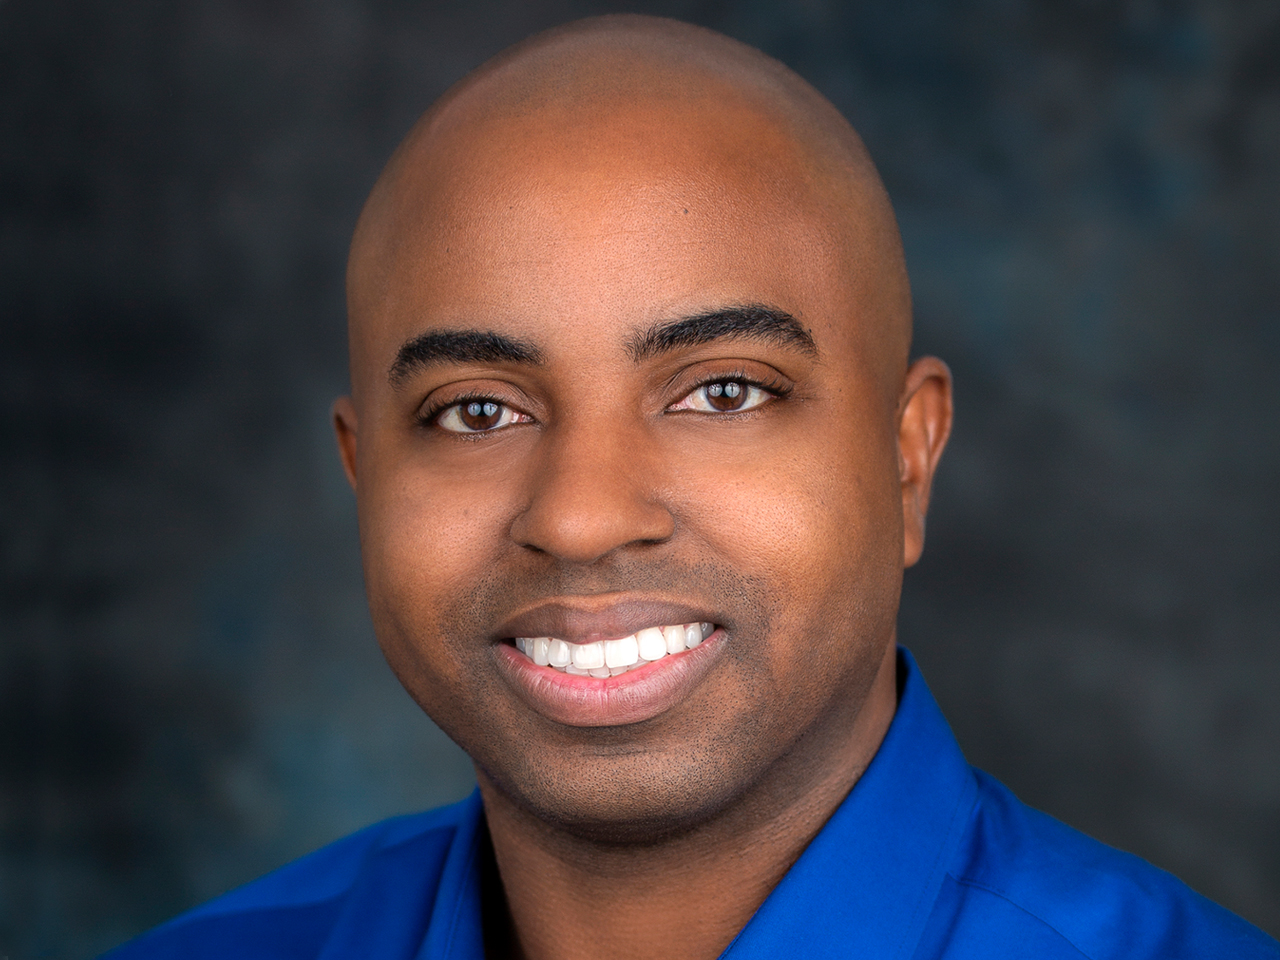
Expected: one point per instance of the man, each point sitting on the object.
(639, 460)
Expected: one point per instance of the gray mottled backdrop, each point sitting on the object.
(189, 690)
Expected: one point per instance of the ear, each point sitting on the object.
(344, 425)
(924, 423)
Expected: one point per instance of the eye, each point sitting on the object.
(725, 396)
(478, 415)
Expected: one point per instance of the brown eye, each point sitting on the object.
(478, 416)
(725, 396)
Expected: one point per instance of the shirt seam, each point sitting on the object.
(978, 885)
(190, 922)
(385, 846)
(462, 888)
(210, 909)
(961, 808)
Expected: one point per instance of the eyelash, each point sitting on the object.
(431, 415)
(777, 389)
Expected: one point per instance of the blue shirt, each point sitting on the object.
(927, 858)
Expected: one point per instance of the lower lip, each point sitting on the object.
(630, 697)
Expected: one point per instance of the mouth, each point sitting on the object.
(611, 658)
(607, 660)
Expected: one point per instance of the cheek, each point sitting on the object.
(426, 539)
(817, 517)
(808, 513)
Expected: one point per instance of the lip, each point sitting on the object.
(629, 697)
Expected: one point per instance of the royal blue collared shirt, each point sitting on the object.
(926, 858)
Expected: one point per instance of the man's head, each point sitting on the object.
(629, 336)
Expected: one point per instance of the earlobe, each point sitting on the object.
(924, 423)
(344, 426)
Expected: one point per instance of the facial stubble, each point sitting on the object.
(642, 782)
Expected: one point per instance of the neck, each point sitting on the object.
(684, 897)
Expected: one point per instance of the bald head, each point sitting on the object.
(631, 108)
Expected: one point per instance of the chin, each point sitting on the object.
(635, 801)
(624, 819)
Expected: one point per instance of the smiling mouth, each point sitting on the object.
(609, 658)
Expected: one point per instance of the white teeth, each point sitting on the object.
(588, 656)
(651, 644)
(559, 655)
(541, 651)
(674, 638)
(609, 658)
(621, 653)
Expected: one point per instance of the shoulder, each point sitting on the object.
(291, 911)
(1028, 877)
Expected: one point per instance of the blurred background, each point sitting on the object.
(190, 693)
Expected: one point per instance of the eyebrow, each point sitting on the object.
(460, 346)
(749, 322)
(753, 321)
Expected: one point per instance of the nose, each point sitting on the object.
(593, 491)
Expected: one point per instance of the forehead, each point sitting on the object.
(574, 224)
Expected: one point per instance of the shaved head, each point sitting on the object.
(610, 94)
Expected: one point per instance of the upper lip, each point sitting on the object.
(589, 619)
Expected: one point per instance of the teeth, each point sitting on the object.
(541, 651)
(651, 644)
(588, 656)
(559, 655)
(608, 658)
(674, 641)
(621, 653)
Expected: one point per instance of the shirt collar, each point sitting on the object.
(864, 886)
(867, 883)
(455, 932)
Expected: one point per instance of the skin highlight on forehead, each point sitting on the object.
(638, 104)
